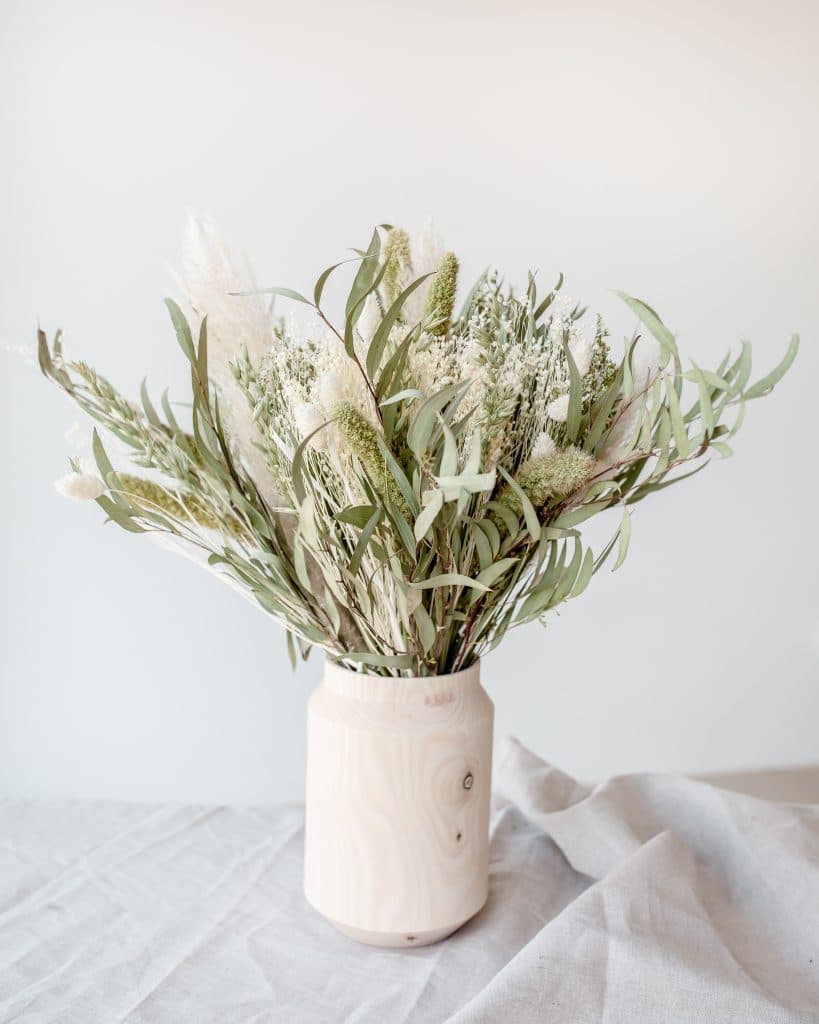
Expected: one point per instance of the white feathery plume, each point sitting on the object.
(582, 350)
(308, 420)
(329, 389)
(208, 281)
(427, 253)
(544, 446)
(558, 410)
(82, 486)
(645, 364)
(339, 379)
(429, 250)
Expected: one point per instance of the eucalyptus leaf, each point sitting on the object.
(767, 383)
(364, 540)
(356, 515)
(625, 537)
(529, 514)
(655, 325)
(449, 579)
(433, 503)
(426, 628)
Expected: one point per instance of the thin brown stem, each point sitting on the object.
(354, 356)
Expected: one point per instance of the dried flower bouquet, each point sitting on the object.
(402, 487)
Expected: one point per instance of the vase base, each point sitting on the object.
(397, 940)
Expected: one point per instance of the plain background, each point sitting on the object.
(666, 149)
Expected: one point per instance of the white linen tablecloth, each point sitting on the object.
(650, 898)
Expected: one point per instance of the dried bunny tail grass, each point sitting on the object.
(398, 272)
(441, 298)
(362, 439)
(81, 486)
(568, 470)
(187, 508)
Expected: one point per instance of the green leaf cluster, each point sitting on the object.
(420, 533)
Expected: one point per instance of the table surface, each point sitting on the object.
(784, 785)
(646, 898)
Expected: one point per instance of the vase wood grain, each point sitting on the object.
(397, 816)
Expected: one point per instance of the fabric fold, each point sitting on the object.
(648, 898)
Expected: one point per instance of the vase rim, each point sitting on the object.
(470, 669)
(423, 689)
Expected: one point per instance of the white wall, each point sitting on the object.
(667, 149)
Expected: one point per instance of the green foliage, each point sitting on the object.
(363, 439)
(551, 476)
(189, 508)
(426, 477)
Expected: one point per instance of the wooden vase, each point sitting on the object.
(397, 820)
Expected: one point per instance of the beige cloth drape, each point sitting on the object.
(649, 899)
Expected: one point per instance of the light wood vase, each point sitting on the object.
(397, 821)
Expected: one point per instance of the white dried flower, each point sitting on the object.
(427, 253)
(429, 248)
(543, 447)
(330, 389)
(645, 362)
(209, 282)
(558, 410)
(83, 486)
(623, 434)
(309, 419)
(339, 379)
(582, 350)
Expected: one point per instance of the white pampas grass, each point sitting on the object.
(330, 390)
(645, 365)
(82, 486)
(340, 380)
(208, 280)
(645, 362)
(308, 419)
(622, 434)
(582, 350)
(427, 253)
